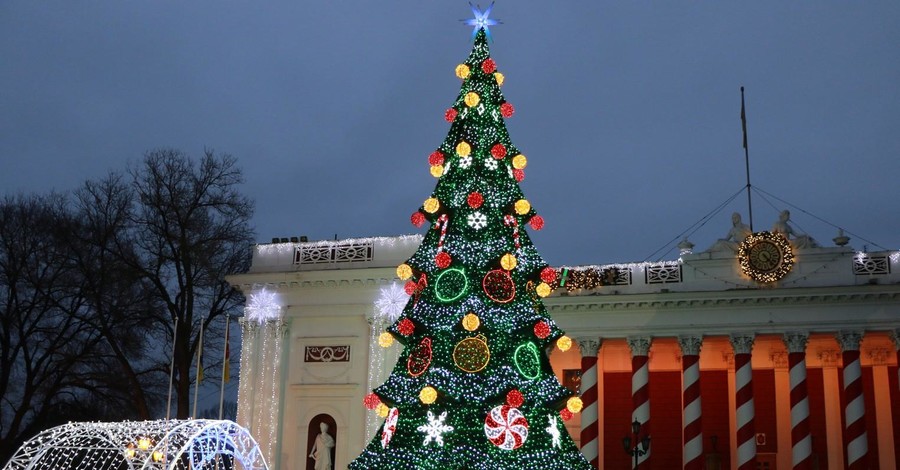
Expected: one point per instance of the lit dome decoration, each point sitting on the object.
(262, 306)
(168, 444)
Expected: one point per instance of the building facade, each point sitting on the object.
(719, 369)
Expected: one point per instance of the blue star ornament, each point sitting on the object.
(482, 20)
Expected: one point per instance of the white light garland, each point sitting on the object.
(435, 429)
(633, 266)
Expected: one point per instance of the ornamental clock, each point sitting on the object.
(766, 256)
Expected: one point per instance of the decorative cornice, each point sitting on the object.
(849, 339)
(829, 357)
(640, 345)
(690, 344)
(589, 347)
(779, 358)
(879, 356)
(742, 342)
(796, 341)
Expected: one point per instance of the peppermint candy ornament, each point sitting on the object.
(506, 427)
(390, 427)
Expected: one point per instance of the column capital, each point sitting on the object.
(589, 346)
(895, 335)
(248, 326)
(796, 341)
(640, 345)
(690, 344)
(742, 342)
(849, 339)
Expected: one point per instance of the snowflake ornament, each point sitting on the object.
(391, 302)
(477, 220)
(553, 430)
(490, 163)
(262, 306)
(435, 429)
(465, 162)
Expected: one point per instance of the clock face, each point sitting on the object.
(765, 256)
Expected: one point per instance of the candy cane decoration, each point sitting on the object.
(744, 409)
(801, 439)
(441, 224)
(511, 221)
(690, 391)
(855, 411)
(590, 429)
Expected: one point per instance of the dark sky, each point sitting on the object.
(627, 110)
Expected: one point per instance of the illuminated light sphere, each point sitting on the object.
(548, 274)
(519, 174)
(471, 322)
(507, 110)
(475, 200)
(519, 162)
(564, 343)
(382, 410)
(129, 451)
(428, 395)
(508, 262)
(371, 401)
(442, 259)
(406, 327)
(472, 354)
(499, 77)
(417, 219)
(157, 456)
(498, 151)
(436, 158)
(385, 340)
(536, 222)
(522, 207)
(574, 405)
(462, 71)
(450, 115)
(472, 99)
(515, 398)
(565, 414)
(410, 287)
(543, 289)
(431, 205)
(144, 443)
(488, 66)
(542, 329)
(463, 149)
(437, 171)
(404, 272)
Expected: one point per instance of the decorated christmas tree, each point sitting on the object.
(473, 387)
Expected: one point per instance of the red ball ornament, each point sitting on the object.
(515, 398)
(548, 275)
(450, 115)
(442, 259)
(475, 200)
(565, 414)
(410, 287)
(519, 175)
(436, 158)
(406, 327)
(488, 66)
(542, 329)
(537, 223)
(507, 110)
(417, 219)
(498, 151)
(371, 401)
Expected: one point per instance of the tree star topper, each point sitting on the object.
(481, 20)
(435, 429)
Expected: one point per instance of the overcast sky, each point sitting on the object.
(627, 110)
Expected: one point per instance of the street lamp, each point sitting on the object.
(636, 445)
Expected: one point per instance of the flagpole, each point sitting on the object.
(746, 158)
(172, 370)
(224, 366)
(199, 366)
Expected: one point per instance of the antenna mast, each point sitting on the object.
(746, 158)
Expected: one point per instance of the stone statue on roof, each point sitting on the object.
(732, 241)
(783, 227)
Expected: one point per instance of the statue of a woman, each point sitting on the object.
(321, 451)
(739, 231)
(783, 227)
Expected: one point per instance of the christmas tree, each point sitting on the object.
(473, 387)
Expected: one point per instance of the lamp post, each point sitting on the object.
(636, 445)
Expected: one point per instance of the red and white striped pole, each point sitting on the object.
(895, 335)
(744, 410)
(855, 439)
(640, 386)
(690, 393)
(590, 429)
(801, 439)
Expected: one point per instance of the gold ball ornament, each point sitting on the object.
(472, 354)
(437, 171)
(508, 262)
(564, 343)
(428, 395)
(522, 207)
(574, 405)
(431, 205)
(462, 71)
(463, 149)
(404, 272)
(385, 340)
(543, 289)
(519, 162)
(471, 322)
(382, 410)
(472, 99)
(499, 77)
